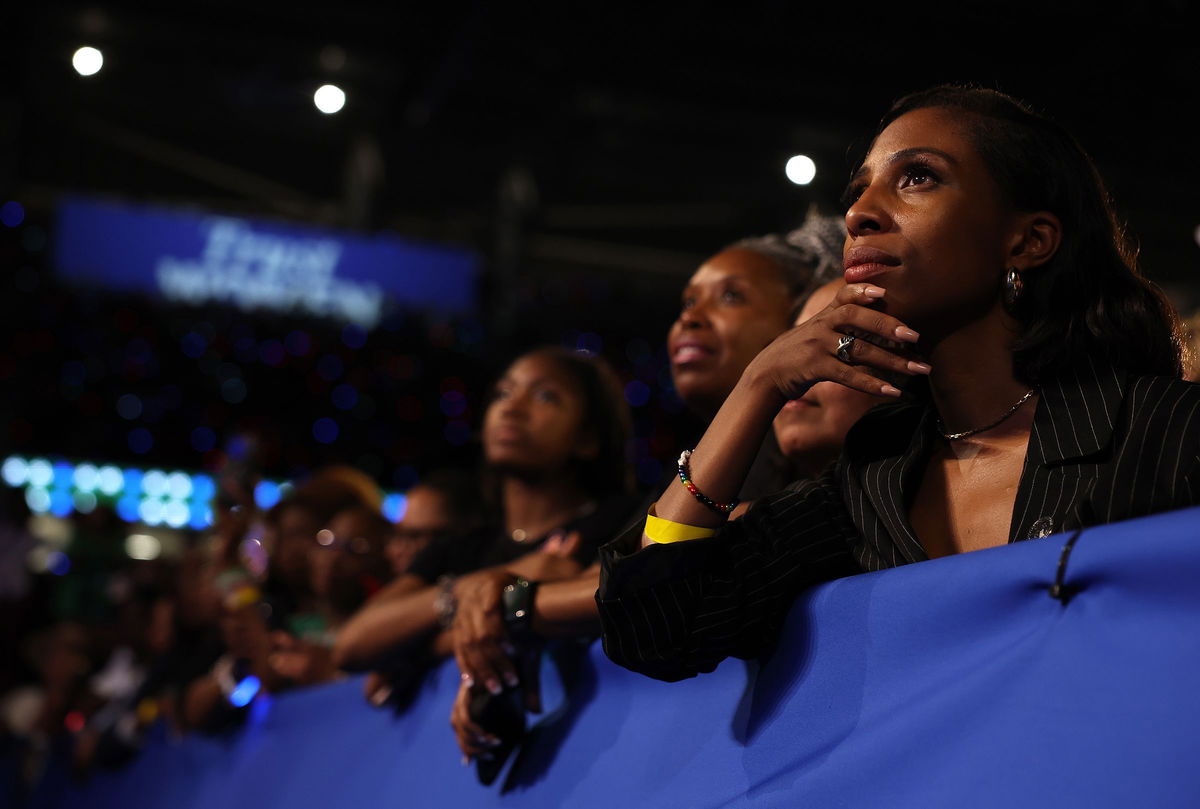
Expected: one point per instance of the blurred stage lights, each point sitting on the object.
(152, 496)
(800, 169)
(143, 546)
(329, 98)
(87, 61)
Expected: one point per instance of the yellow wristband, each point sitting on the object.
(664, 531)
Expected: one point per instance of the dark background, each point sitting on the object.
(592, 153)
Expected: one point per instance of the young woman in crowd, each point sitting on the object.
(734, 305)
(981, 238)
(443, 504)
(554, 440)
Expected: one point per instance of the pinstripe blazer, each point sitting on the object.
(1104, 446)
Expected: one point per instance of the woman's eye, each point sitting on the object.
(686, 303)
(918, 175)
(548, 396)
(500, 393)
(732, 296)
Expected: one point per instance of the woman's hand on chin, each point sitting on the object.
(809, 353)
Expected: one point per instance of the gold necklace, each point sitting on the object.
(941, 428)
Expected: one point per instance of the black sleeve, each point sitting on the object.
(675, 610)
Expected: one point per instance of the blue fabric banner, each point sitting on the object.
(955, 682)
(199, 258)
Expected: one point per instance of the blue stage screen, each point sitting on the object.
(199, 258)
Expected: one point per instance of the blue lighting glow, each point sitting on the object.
(154, 484)
(111, 480)
(58, 563)
(153, 496)
(12, 214)
(40, 473)
(38, 500)
(589, 343)
(199, 517)
(637, 393)
(204, 488)
(15, 471)
(179, 485)
(394, 506)
(345, 397)
(87, 477)
(266, 494)
(175, 514)
(133, 482)
(151, 511)
(244, 692)
(61, 502)
(127, 508)
(64, 475)
(325, 430)
(84, 502)
(193, 344)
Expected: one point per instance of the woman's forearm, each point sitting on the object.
(380, 632)
(721, 461)
(568, 608)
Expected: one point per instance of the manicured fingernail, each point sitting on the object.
(919, 367)
(512, 680)
(380, 696)
(493, 685)
(492, 741)
(466, 761)
(888, 390)
(468, 681)
(873, 292)
(905, 333)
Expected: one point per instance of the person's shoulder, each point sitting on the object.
(1143, 385)
(1162, 397)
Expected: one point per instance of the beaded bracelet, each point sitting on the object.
(685, 477)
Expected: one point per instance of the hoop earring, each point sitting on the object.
(1014, 285)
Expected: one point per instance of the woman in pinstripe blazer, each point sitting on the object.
(1045, 391)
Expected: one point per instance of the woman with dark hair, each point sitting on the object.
(1047, 390)
(556, 479)
(735, 304)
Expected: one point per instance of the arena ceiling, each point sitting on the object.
(601, 136)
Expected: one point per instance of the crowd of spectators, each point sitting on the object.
(321, 584)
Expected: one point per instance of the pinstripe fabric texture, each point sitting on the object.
(1104, 447)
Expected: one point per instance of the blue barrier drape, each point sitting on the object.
(954, 682)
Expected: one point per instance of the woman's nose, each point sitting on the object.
(695, 316)
(514, 403)
(867, 214)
